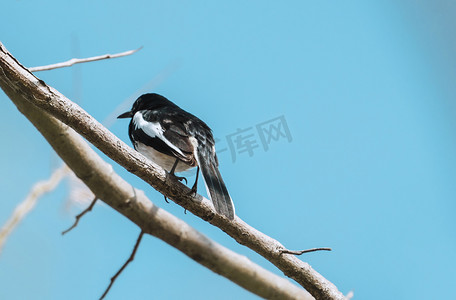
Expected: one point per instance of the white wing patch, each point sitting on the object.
(195, 153)
(153, 129)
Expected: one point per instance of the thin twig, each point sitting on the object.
(286, 251)
(74, 61)
(79, 216)
(29, 202)
(130, 259)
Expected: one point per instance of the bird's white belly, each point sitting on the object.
(163, 160)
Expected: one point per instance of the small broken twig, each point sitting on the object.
(79, 216)
(286, 251)
(130, 259)
(74, 61)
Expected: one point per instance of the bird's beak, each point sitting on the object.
(127, 114)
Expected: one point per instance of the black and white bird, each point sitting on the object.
(177, 141)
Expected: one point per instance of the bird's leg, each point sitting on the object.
(195, 185)
(174, 169)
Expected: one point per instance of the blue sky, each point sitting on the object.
(366, 92)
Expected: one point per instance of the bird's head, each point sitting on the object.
(147, 101)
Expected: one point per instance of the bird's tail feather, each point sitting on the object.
(215, 187)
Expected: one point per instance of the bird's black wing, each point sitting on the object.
(165, 133)
(161, 136)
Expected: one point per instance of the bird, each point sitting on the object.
(178, 141)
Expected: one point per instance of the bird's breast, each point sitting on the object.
(163, 160)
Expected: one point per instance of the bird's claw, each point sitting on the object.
(193, 191)
(181, 178)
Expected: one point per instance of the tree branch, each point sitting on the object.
(19, 82)
(113, 190)
(129, 260)
(79, 216)
(74, 61)
(29, 202)
(300, 252)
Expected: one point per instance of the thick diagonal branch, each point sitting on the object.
(20, 82)
(112, 189)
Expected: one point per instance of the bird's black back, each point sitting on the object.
(178, 126)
